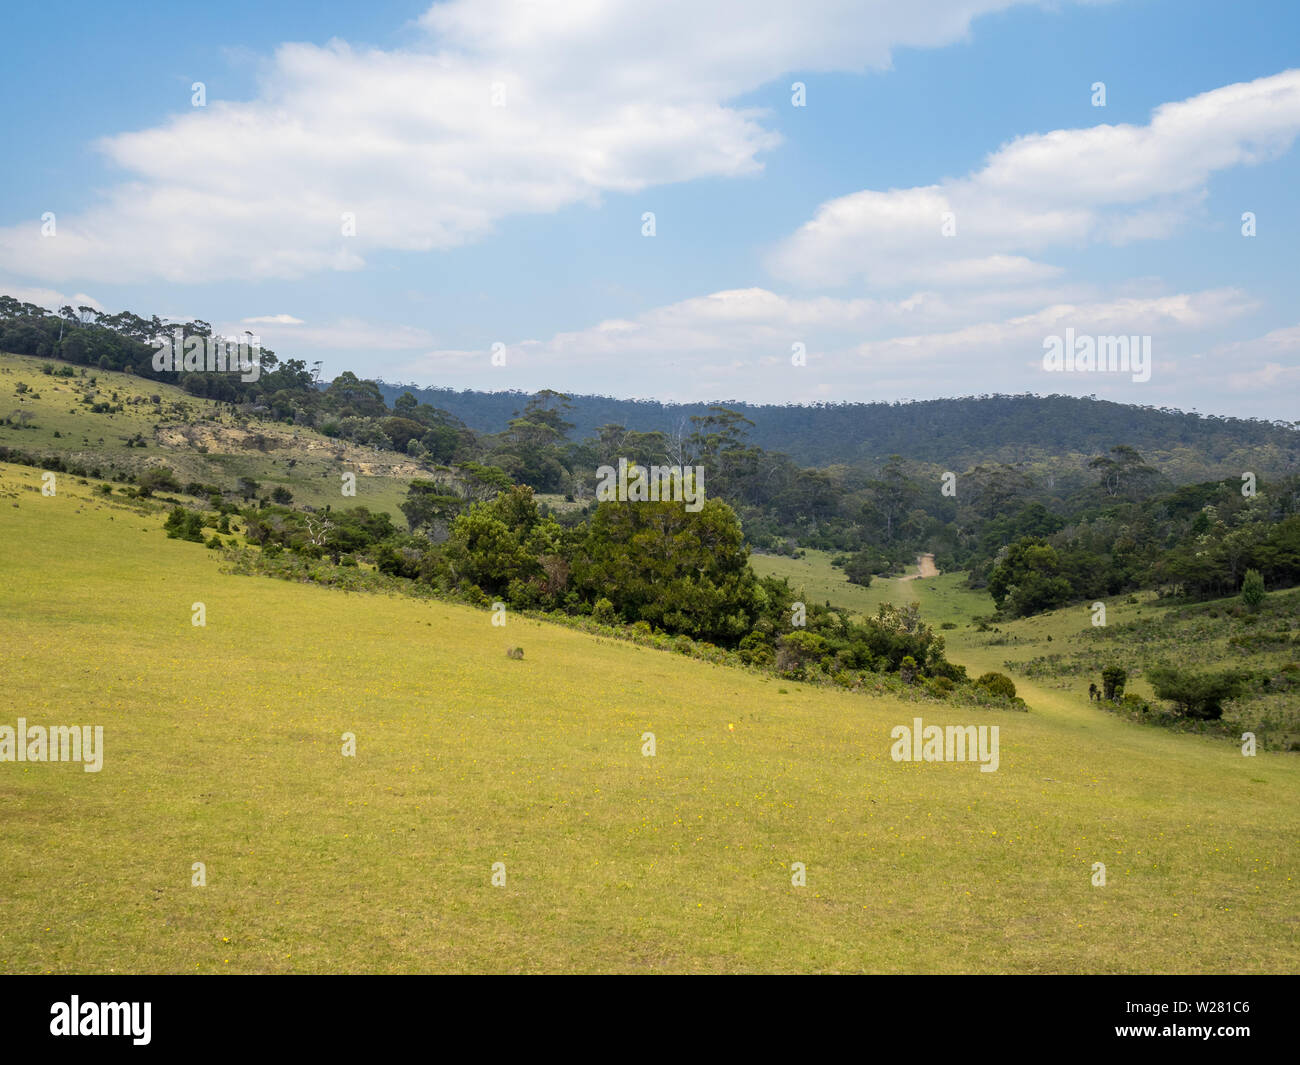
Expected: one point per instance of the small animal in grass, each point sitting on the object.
(514, 652)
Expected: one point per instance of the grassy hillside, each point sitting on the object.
(1065, 651)
(200, 440)
(223, 746)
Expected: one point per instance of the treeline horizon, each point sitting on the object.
(992, 426)
(950, 428)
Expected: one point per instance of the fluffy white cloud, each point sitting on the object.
(691, 50)
(598, 96)
(738, 344)
(1068, 187)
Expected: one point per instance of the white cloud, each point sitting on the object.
(749, 324)
(1160, 317)
(49, 298)
(299, 340)
(1065, 188)
(272, 319)
(599, 96)
(1266, 366)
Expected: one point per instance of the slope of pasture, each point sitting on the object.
(815, 580)
(196, 438)
(942, 598)
(1063, 651)
(1056, 655)
(223, 746)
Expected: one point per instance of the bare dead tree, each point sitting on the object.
(677, 446)
(318, 529)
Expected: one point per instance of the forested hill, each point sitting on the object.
(1005, 428)
(951, 433)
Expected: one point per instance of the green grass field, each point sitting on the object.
(942, 598)
(223, 746)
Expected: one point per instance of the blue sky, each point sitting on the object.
(775, 225)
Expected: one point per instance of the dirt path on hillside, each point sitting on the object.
(925, 568)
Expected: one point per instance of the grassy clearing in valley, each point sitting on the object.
(223, 746)
(942, 598)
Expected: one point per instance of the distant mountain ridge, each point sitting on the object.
(1001, 427)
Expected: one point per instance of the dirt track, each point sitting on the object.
(925, 566)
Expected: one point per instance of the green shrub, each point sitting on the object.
(949, 670)
(182, 524)
(1199, 696)
(1252, 589)
(907, 669)
(997, 684)
(796, 651)
(1113, 679)
(158, 479)
(754, 650)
